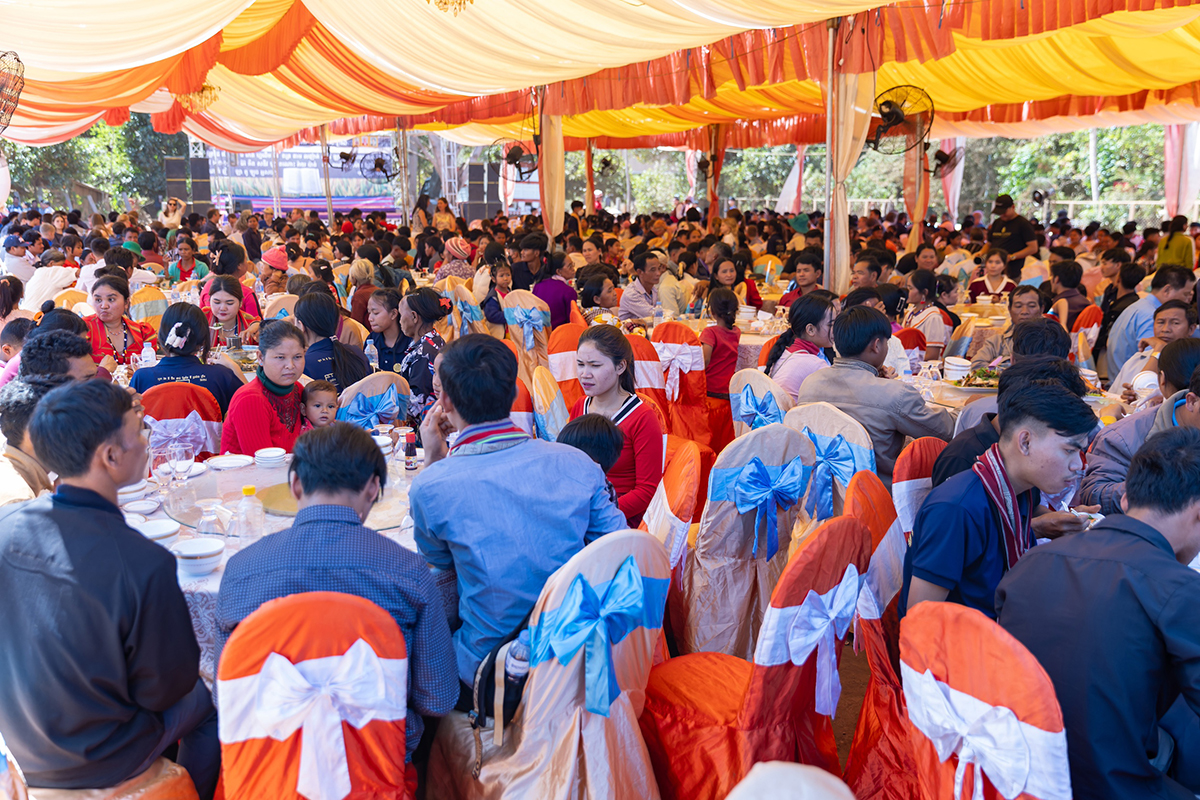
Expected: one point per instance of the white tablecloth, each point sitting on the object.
(201, 592)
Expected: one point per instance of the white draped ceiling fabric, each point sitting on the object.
(853, 97)
(1182, 166)
(952, 180)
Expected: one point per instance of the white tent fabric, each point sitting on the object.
(853, 99)
(1182, 167)
(952, 180)
(551, 174)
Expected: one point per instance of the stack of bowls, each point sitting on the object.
(385, 444)
(160, 531)
(270, 457)
(198, 557)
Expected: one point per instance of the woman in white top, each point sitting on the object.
(799, 351)
(924, 315)
(172, 214)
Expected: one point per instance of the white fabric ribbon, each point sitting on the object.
(315, 696)
(1015, 756)
(885, 575)
(563, 366)
(648, 375)
(676, 358)
(663, 525)
(791, 634)
(192, 429)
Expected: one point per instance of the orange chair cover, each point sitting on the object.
(710, 716)
(912, 478)
(674, 503)
(554, 748)
(648, 376)
(163, 780)
(970, 654)
(765, 352)
(881, 762)
(177, 400)
(302, 627)
(1090, 317)
(577, 315)
(724, 588)
(708, 457)
(682, 359)
(564, 341)
(911, 339)
(538, 356)
(522, 409)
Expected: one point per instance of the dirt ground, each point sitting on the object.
(854, 672)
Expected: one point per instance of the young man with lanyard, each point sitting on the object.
(977, 525)
(1111, 616)
(484, 508)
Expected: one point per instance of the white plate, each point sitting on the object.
(1144, 381)
(124, 496)
(229, 461)
(133, 520)
(270, 453)
(147, 505)
(140, 486)
(199, 468)
(157, 529)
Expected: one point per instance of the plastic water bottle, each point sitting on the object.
(516, 663)
(658, 312)
(248, 519)
(147, 358)
(174, 296)
(372, 354)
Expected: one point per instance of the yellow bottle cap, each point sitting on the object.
(1108, 420)
(247, 491)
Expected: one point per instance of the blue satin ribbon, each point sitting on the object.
(757, 488)
(836, 458)
(596, 619)
(282, 314)
(529, 320)
(367, 412)
(756, 413)
(467, 313)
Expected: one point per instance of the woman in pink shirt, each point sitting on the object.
(799, 351)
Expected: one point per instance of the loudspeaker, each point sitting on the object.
(176, 169)
(201, 199)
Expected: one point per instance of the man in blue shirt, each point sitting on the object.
(976, 525)
(337, 474)
(1111, 616)
(502, 510)
(1170, 282)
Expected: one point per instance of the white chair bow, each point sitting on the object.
(676, 358)
(315, 696)
(1015, 756)
(816, 624)
(186, 430)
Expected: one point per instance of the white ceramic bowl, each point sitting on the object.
(956, 368)
(199, 556)
(161, 531)
(270, 453)
(1144, 382)
(133, 519)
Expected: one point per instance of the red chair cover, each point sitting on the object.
(880, 764)
(977, 665)
(177, 400)
(911, 339)
(564, 341)
(1090, 317)
(912, 479)
(522, 409)
(682, 359)
(648, 376)
(766, 351)
(301, 628)
(707, 458)
(710, 717)
(674, 503)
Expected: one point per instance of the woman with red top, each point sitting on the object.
(720, 343)
(730, 273)
(230, 259)
(225, 312)
(604, 362)
(115, 337)
(267, 412)
(993, 286)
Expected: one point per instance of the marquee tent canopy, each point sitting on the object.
(283, 67)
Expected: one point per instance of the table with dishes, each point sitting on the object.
(192, 517)
(754, 337)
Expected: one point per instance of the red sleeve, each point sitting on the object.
(577, 409)
(753, 298)
(647, 437)
(708, 336)
(247, 426)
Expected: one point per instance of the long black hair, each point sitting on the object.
(193, 327)
(318, 312)
(613, 345)
(807, 310)
(229, 257)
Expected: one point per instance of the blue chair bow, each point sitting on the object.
(529, 320)
(596, 624)
(281, 314)
(756, 413)
(754, 489)
(467, 313)
(367, 412)
(835, 459)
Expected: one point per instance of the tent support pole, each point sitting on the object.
(402, 164)
(832, 25)
(275, 188)
(325, 174)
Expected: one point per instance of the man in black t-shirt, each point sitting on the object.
(1011, 232)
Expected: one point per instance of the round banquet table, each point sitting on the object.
(389, 517)
(749, 346)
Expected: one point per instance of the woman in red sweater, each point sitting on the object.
(604, 362)
(267, 412)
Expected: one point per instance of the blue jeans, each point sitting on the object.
(192, 722)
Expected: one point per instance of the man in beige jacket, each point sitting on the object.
(889, 409)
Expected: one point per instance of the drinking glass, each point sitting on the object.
(182, 457)
(210, 524)
(160, 468)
